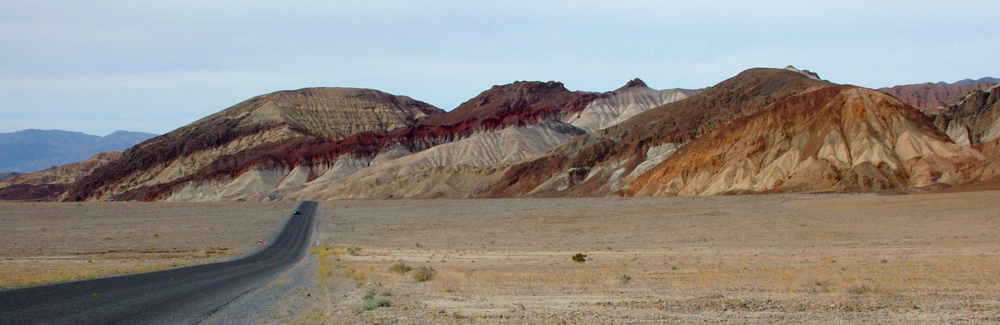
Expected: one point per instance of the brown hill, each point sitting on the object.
(49, 184)
(839, 138)
(749, 134)
(933, 98)
(465, 167)
(322, 163)
(312, 113)
(282, 131)
(603, 159)
(453, 154)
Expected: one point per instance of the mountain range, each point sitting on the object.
(33, 150)
(761, 131)
(933, 98)
(4, 176)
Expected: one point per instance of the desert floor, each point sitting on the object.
(55, 242)
(731, 259)
(734, 259)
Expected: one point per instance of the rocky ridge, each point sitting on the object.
(934, 98)
(51, 184)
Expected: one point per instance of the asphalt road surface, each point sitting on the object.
(179, 296)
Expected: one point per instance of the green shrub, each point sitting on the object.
(423, 273)
(376, 303)
(400, 267)
(372, 301)
(580, 258)
(370, 294)
(625, 279)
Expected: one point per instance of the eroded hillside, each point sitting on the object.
(191, 152)
(762, 131)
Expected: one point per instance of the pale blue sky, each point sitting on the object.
(100, 66)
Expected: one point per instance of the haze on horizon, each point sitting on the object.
(97, 67)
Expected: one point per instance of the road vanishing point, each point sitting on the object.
(178, 296)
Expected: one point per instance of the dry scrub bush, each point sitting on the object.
(400, 267)
(371, 300)
(354, 274)
(423, 273)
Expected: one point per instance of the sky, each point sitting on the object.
(154, 66)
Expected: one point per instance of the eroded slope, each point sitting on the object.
(191, 152)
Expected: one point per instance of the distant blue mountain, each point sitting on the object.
(33, 150)
(972, 82)
(4, 176)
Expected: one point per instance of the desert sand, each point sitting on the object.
(727, 259)
(55, 242)
(735, 259)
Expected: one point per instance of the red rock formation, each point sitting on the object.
(49, 184)
(933, 98)
(628, 143)
(137, 175)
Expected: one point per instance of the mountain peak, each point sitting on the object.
(989, 80)
(807, 73)
(634, 83)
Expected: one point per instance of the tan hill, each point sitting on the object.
(503, 124)
(196, 149)
(602, 162)
(466, 167)
(276, 162)
(50, 184)
(933, 98)
(626, 102)
(764, 130)
(836, 139)
(319, 169)
(453, 154)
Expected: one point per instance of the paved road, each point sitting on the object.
(179, 296)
